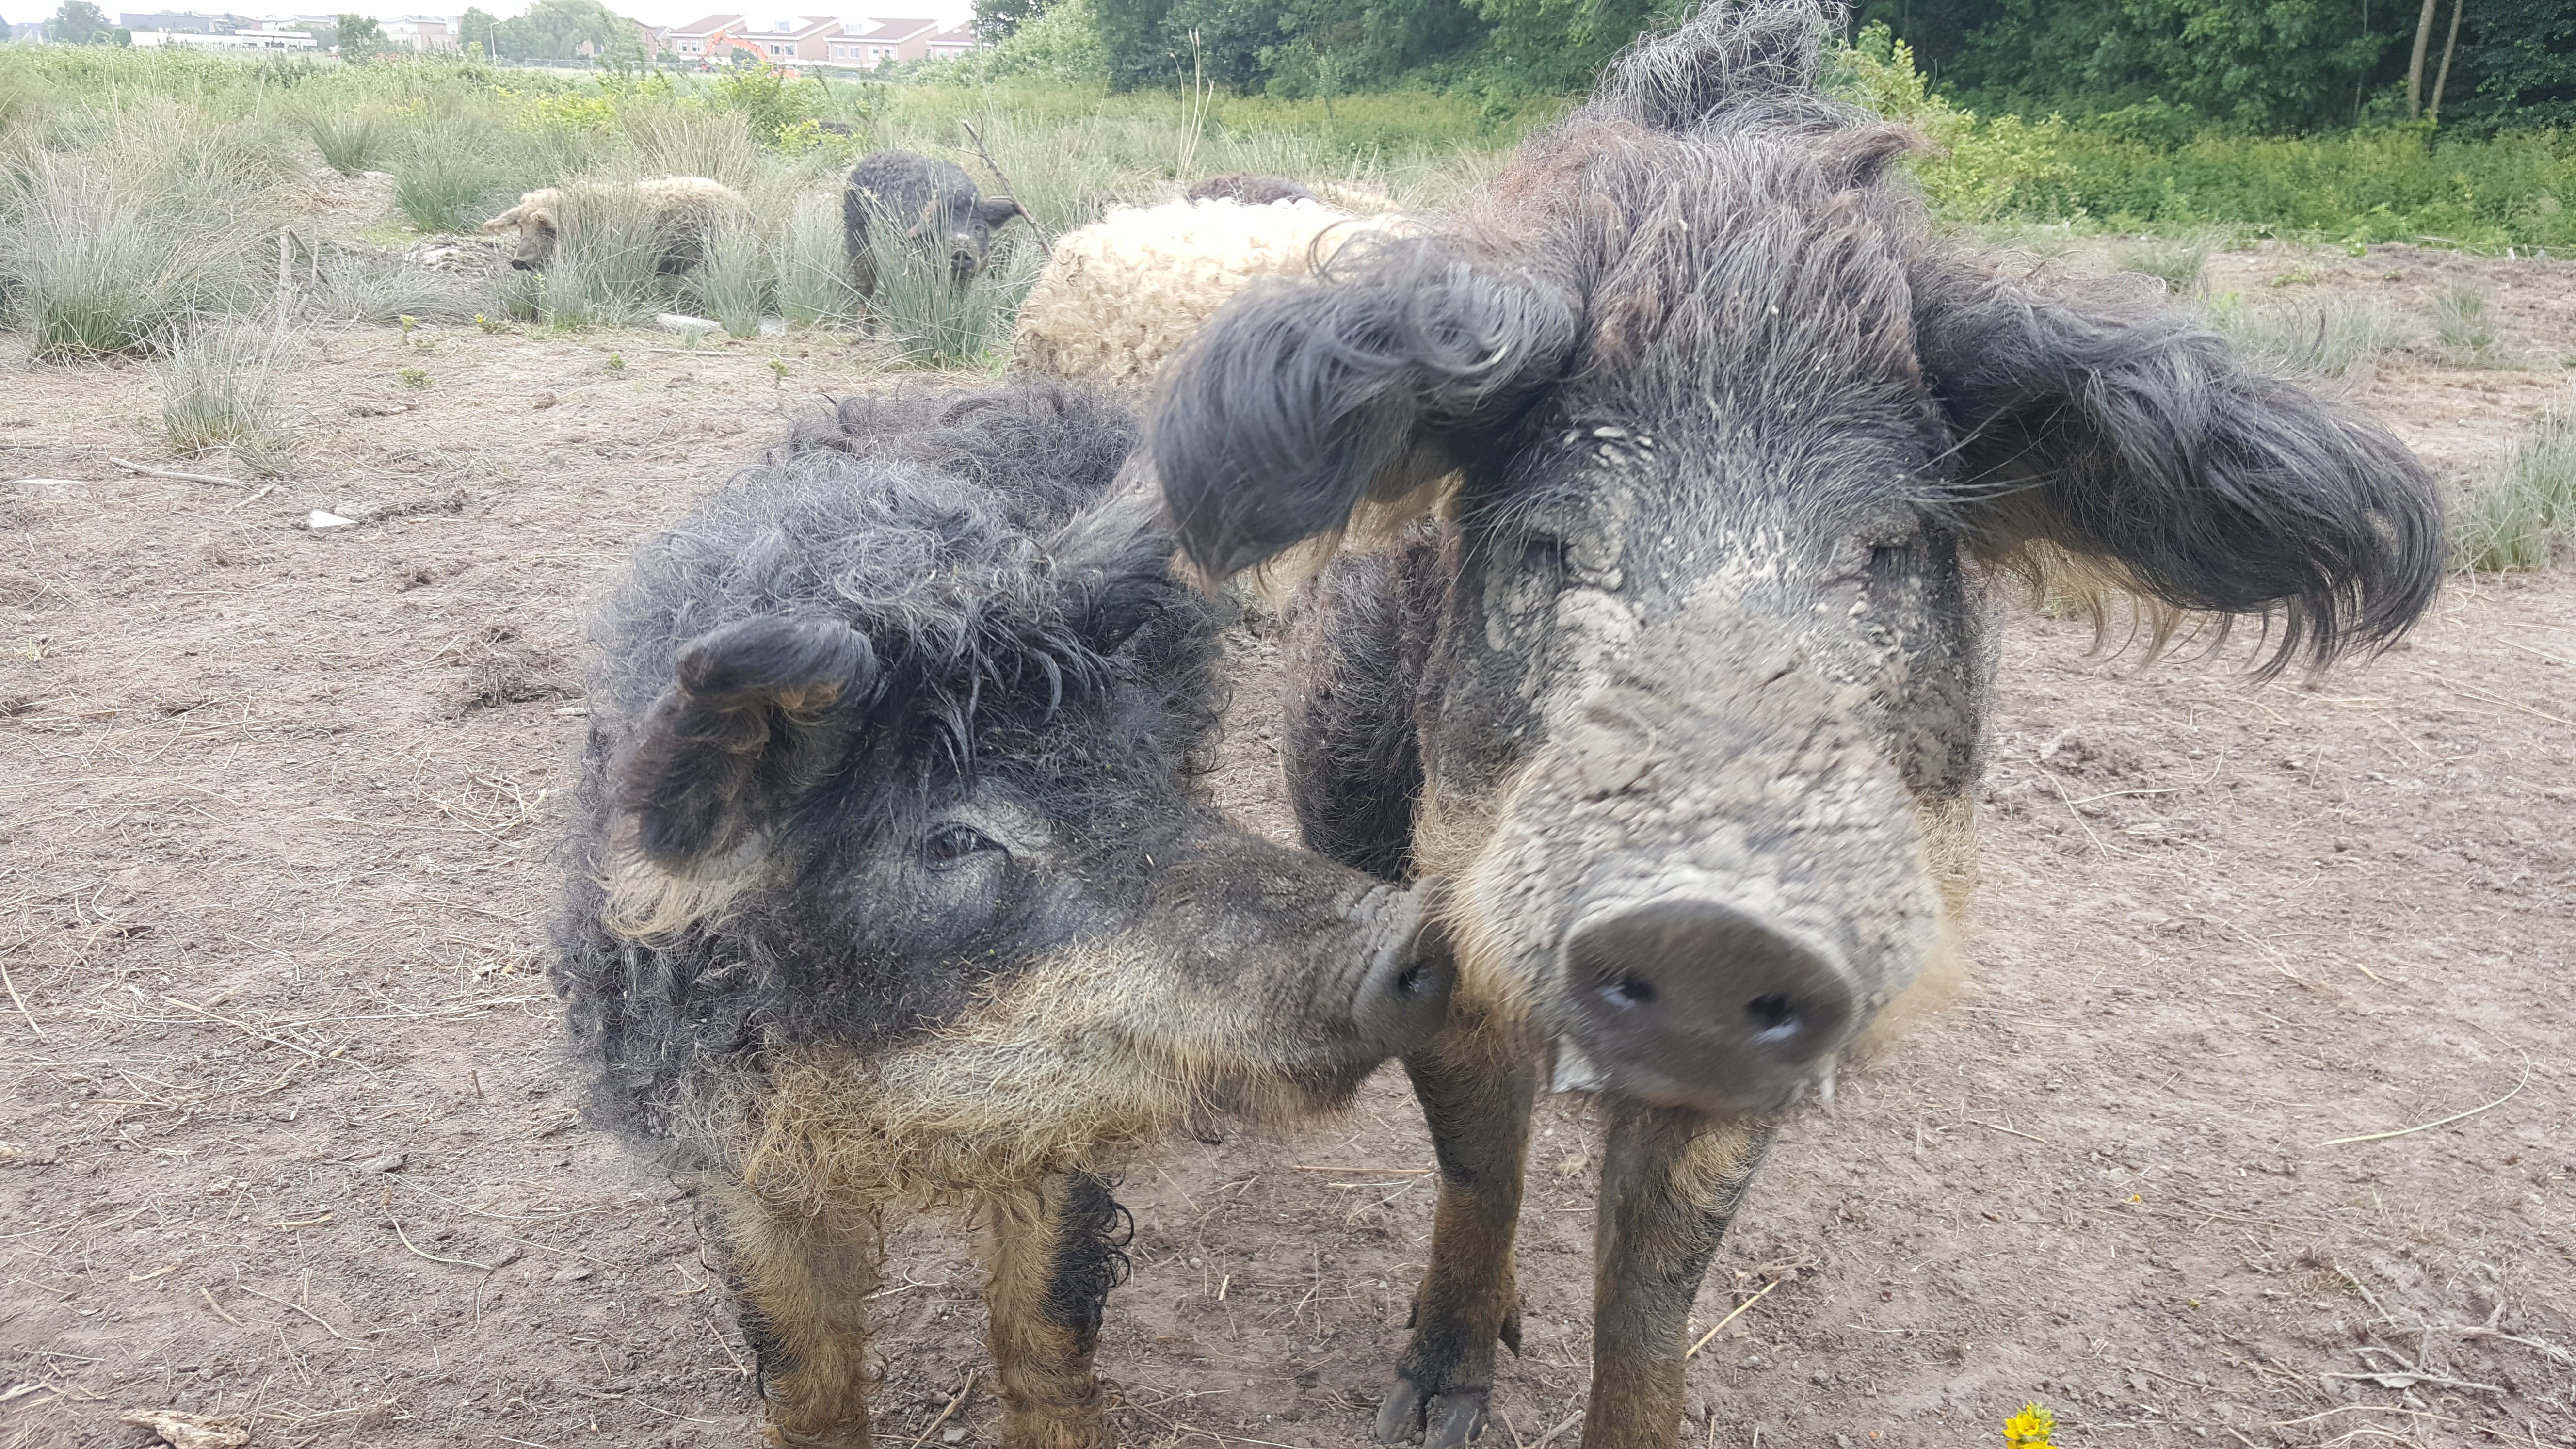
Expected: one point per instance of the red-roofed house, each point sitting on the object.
(889, 42)
(961, 40)
(716, 39)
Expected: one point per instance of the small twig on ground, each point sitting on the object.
(993, 166)
(418, 1250)
(264, 1036)
(2364, 1290)
(2443, 1122)
(133, 467)
(2410, 1379)
(296, 1308)
(2011, 1132)
(219, 1308)
(1366, 1171)
(2551, 1350)
(963, 1390)
(265, 489)
(12, 984)
(1737, 1313)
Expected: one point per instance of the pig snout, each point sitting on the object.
(1403, 992)
(1694, 1002)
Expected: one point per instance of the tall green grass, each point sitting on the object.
(351, 141)
(97, 260)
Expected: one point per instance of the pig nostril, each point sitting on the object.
(1774, 1018)
(1629, 993)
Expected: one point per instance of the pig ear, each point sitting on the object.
(507, 219)
(1113, 563)
(1299, 401)
(999, 210)
(2137, 442)
(747, 723)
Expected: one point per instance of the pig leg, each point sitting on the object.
(1477, 1081)
(1053, 1253)
(1670, 1182)
(800, 1280)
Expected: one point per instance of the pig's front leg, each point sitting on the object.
(802, 1280)
(1670, 1182)
(1053, 1253)
(1477, 1080)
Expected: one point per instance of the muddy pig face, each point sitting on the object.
(962, 225)
(1702, 710)
(895, 832)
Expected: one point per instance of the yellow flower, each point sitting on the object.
(2030, 1429)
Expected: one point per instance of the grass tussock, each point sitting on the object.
(813, 268)
(351, 142)
(2514, 518)
(2177, 261)
(219, 393)
(2464, 327)
(96, 261)
(2328, 339)
(733, 284)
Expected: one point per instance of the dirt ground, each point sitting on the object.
(287, 1144)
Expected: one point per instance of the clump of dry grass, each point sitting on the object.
(2513, 519)
(2462, 325)
(219, 392)
(2328, 339)
(2176, 261)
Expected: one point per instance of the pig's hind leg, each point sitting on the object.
(802, 1281)
(1053, 1252)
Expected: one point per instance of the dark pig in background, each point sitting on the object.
(930, 206)
(891, 885)
(1670, 481)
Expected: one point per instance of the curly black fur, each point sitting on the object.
(1093, 1232)
(913, 596)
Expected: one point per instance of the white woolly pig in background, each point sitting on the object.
(1124, 293)
(683, 209)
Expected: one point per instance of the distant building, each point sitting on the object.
(716, 39)
(891, 42)
(248, 37)
(421, 32)
(957, 41)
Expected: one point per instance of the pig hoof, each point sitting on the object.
(1456, 1420)
(1400, 1417)
(1445, 1421)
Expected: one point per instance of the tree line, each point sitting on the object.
(2156, 69)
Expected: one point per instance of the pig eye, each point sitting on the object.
(951, 845)
(1544, 556)
(1891, 560)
